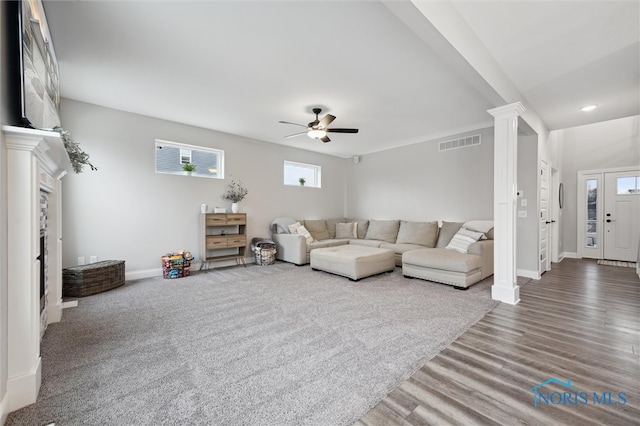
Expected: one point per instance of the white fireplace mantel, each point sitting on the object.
(36, 160)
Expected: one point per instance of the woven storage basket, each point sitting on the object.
(85, 280)
(264, 256)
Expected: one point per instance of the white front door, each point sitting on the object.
(621, 215)
(544, 217)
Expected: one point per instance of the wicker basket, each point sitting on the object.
(85, 280)
(264, 256)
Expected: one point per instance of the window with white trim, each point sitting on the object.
(172, 156)
(300, 174)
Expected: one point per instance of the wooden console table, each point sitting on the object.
(223, 237)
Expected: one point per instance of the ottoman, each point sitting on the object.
(353, 261)
(444, 266)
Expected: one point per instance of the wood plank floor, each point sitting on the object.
(581, 322)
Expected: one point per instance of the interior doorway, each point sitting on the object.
(609, 214)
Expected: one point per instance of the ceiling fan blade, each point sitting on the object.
(326, 120)
(325, 139)
(295, 134)
(288, 122)
(342, 130)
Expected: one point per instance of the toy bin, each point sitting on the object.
(175, 266)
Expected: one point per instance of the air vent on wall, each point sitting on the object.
(459, 143)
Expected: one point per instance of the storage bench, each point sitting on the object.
(85, 280)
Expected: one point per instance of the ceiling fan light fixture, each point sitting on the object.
(317, 133)
(588, 108)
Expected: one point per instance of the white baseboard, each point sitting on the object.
(4, 408)
(145, 273)
(569, 255)
(23, 390)
(534, 275)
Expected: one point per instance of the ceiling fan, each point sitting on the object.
(317, 129)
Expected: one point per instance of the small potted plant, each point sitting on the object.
(302, 181)
(235, 193)
(189, 168)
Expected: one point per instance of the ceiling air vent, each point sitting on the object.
(459, 143)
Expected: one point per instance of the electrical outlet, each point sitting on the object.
(81, 260)
(93, 259)
(522, 213)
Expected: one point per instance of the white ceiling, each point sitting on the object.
(241, 66)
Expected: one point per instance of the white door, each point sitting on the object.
(544, 217)
(621, 215)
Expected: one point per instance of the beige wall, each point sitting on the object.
(127, 211)
(604, 145)
(417, 182)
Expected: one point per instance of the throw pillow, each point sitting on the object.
(422, 233)
(317, 228)
(463, 239)
(331, 226)
(293, 228)
(383, 230)
(447, 231)
(347, 230)
(303, 231)
(362, 225)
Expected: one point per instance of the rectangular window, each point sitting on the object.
(300, 174)
(628, 185)
(591, 239)
(171, 156)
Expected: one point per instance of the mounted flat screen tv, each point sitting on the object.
(34, 74)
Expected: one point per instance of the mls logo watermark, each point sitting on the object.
(571, 396)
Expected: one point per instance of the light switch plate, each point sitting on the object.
(523, 202)
(522, 213)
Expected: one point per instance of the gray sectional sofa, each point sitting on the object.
(419, 247)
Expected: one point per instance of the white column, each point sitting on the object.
(23, 269)
(505, 154)
(32, 155)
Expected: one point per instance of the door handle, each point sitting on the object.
(547, 222)
(610, 220)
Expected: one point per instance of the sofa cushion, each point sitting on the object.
(422, 233)
(317, 228)
(346, 230)
(442, 259)
(326, 243)
(363, 226)
(447, 231)
(463, 239)
(400, 248)
(383, 230)
(331, 226)
(484, 226)
(368, 243)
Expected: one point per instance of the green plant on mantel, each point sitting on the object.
(235, 191)
(77, 156)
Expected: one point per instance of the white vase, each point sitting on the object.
(235, 208)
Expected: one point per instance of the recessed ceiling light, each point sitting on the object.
(588, 108)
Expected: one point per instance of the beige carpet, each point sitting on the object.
(271, 345)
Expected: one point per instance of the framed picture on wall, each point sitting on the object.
(35, 75)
